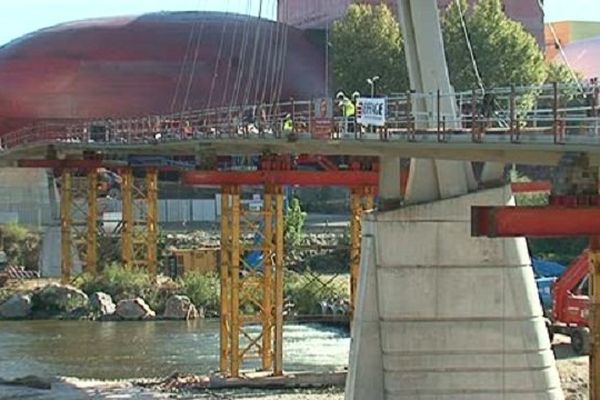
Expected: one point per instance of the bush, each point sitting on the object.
(294, 224)
(306, 292)
(202, 289)
(119, 282)
(21, 246)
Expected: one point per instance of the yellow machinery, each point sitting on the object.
(201, 260)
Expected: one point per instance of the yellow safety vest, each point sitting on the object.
(349, 108)
(288, 125)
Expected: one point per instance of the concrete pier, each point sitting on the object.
(445, 316)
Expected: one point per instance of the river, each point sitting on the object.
(126, 350)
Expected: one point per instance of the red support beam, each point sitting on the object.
(345, 178)
(551, 221)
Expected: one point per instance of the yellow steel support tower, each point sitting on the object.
(225, 292)
(79, 221)
(279, 224)
(251, 294)
(267, 300)
(152, 220)
(594, 318)
(140, 220)
(127, 217)
(66, 244)
(361, 199)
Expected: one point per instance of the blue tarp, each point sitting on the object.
(547, 268)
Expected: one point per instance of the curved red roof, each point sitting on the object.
(583, 57)
(126, 66)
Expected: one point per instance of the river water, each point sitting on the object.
(126, 350)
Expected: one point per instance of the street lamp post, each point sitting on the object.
(372, 81)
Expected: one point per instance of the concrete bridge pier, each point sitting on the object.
(442, 315)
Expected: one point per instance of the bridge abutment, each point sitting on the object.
(443, 315)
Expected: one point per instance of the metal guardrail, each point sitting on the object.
(562, 112)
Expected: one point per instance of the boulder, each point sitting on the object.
(102, 303)
(17, 306)
(132, 309)
(180, 307)
(57, 297)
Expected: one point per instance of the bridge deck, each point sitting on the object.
(533, 148)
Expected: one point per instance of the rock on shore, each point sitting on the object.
(134, 309)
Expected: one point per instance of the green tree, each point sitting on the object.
(294, 224)
(365, 43)
(505, 52)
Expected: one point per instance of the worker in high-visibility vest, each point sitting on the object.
(348, 110)
(288, 127)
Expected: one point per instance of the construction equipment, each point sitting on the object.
(570, 311)
(201, 260)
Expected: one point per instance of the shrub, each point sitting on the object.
(306, 292)
(117, 281)
(202, 289)
(21, 246)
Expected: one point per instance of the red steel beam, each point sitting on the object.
(296, 178)
(300, 178)
(527, 187)
(550, 221)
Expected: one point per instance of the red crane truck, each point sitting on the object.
(571, 304)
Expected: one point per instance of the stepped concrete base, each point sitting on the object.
(445, 316)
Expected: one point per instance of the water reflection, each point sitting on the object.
(119, 350)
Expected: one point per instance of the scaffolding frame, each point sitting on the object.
(79, 221)
(139, 232)
(251, 295)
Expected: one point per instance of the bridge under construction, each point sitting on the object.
(435, 229)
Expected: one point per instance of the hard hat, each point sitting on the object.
(288, 115)
(355, 95)
(340, 95)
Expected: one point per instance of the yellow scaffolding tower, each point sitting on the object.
(140, 220)
(361, 199)
(79, 221)
(251, 294)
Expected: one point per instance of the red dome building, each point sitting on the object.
(154, 63)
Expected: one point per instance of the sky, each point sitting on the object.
(18, 17)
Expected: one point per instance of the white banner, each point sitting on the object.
(370, 111)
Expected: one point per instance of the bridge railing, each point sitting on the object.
(561, 111)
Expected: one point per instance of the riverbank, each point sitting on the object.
(194, 295)
(78, 389)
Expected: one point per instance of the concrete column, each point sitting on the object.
(459, 317)
(390, 192)
(365, 375)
